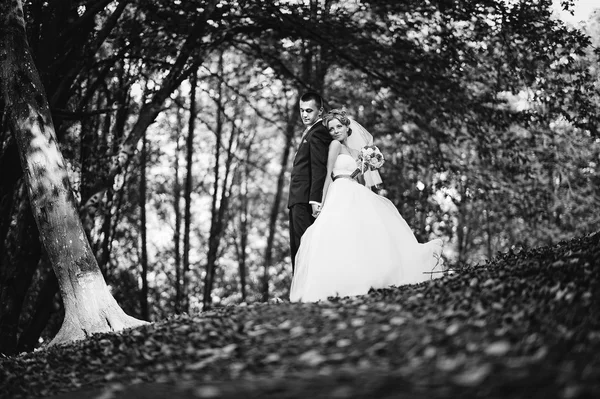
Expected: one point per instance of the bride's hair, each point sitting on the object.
(340, 115)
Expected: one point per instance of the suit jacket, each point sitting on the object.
(310, 166)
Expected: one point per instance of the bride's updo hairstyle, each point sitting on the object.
(340, 115)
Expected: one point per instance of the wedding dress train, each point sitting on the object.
(359, 241)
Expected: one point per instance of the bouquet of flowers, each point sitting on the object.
(369, 160)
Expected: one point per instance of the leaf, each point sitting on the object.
(312, 358)
(286, 325)
(473, 376)
(452, 329)
(498, 348)
(357, 322)
(397, 321)
(214, 354)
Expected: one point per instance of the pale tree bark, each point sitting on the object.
(89, 306)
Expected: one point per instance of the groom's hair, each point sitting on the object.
(314, 96)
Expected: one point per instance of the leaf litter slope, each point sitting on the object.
(525, 325)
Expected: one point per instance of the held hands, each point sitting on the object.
(316, 210)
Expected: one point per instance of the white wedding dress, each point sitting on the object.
(359, 241)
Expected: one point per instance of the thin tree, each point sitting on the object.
(243, 177)
(143, 231)
(218, 219)
(243, 223)
(274, 213)
(188, 191)
(44, 308)
(19, 265)
(218, 134)
(177, 210)
(89, 306)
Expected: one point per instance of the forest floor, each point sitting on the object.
(526, 325)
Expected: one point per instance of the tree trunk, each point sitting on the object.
(463, 227)
(188, 192)
(19, 263)
(9, 178)
(144, 249)
(488, 233)
(218, 134)
(218, 223)
(44, 308)
(274, 214)
(218, 211)
(177, 210)
(104, 258)
(244, 226)
(89, 306)
(88, 147)
(122, 98)
(15, 263)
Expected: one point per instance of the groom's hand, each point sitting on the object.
(316, 209)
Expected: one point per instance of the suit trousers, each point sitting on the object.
(300, 219)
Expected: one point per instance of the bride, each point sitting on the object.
(359, 240)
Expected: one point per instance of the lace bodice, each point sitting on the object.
(344, 165)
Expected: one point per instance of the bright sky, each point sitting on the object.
(583, 9)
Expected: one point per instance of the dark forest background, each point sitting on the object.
(486, 111)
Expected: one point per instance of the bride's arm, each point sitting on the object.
(361, 178)
(334, 151)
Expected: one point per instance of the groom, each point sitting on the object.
(308, 171)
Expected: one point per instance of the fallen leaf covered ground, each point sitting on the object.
(526, 325)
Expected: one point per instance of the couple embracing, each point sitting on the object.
(344, 238)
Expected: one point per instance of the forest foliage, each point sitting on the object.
(485, 110)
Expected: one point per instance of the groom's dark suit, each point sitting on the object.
(307, 179)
